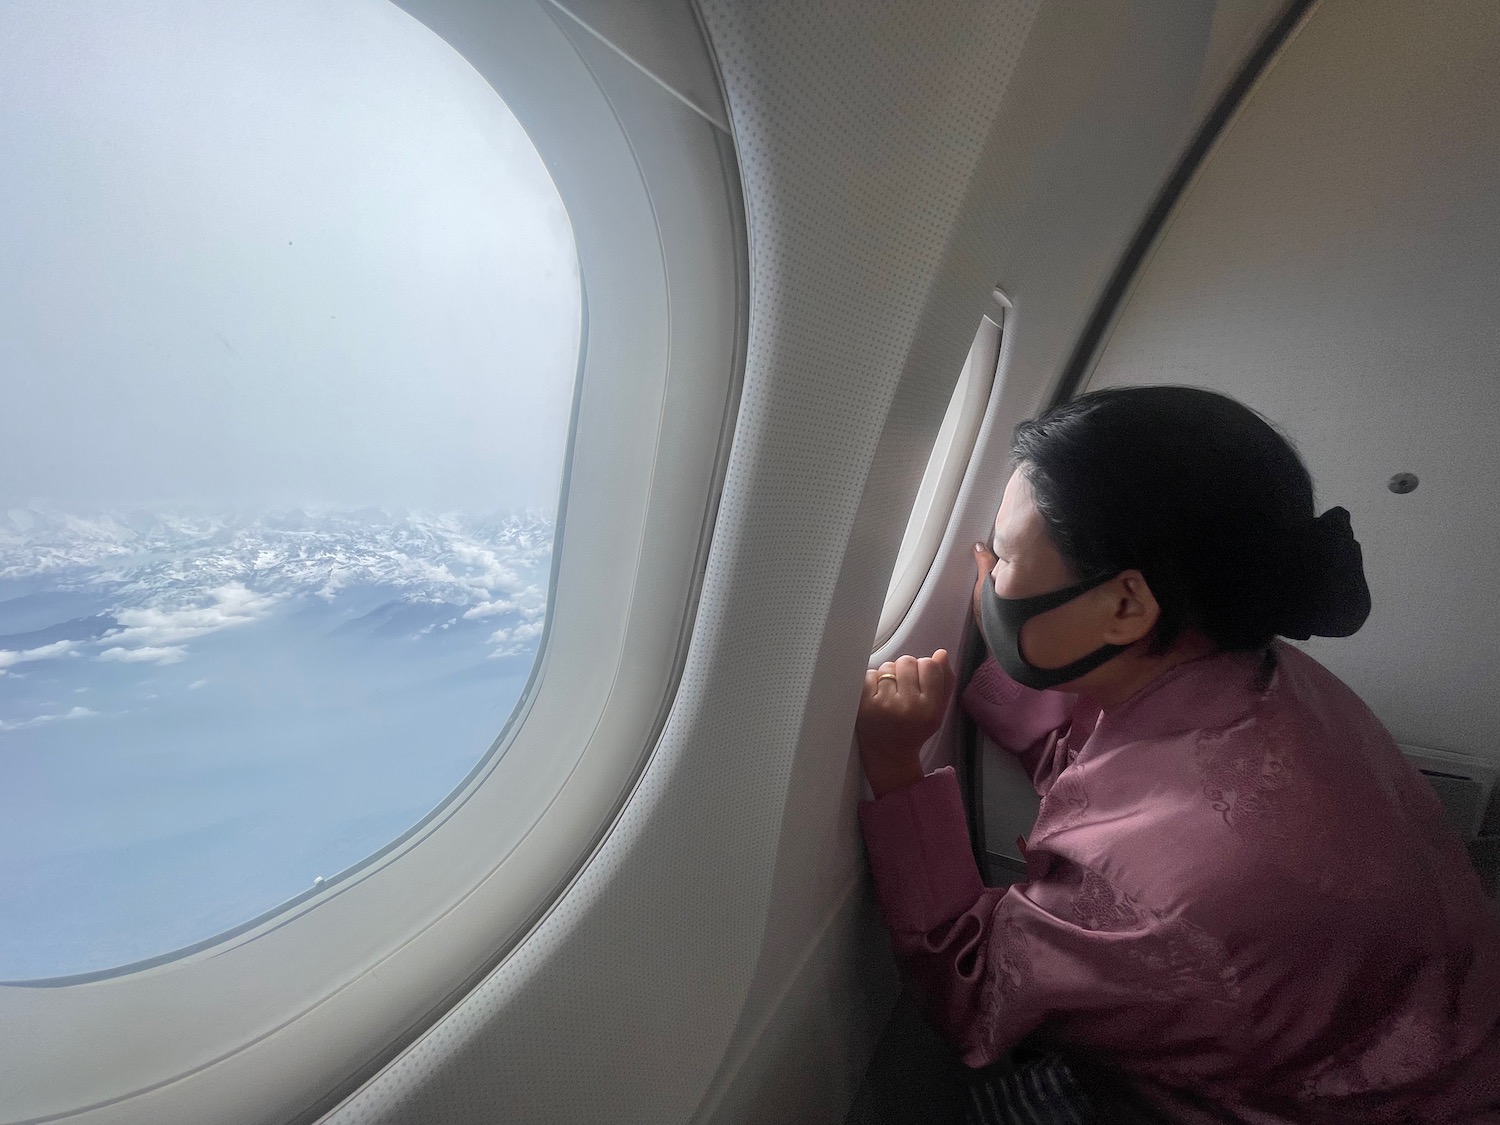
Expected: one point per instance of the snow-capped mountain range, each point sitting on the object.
(202, 715)
(141, 587)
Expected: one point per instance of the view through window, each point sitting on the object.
(289, 328)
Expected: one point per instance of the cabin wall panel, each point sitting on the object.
(1336, 265)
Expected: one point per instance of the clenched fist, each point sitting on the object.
(901, 708)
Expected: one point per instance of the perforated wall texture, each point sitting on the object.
(1336, 264)
(716, 960)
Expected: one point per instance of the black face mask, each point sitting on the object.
(1000, 621)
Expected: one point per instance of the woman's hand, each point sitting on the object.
(897, 716)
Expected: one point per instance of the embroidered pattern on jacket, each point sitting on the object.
(1251, 775)
(1009, 983)
(1244, 778)
(990, 685)
(1411, 1047)
(1175, 959)
(1066, 801)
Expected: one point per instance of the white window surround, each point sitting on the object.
(951, 453)
(271, 1023)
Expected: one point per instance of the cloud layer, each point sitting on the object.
(43, 720)
(157, 634)
(11, 657)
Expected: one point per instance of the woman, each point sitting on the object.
(1239, 895)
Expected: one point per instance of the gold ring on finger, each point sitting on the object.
(885, 676)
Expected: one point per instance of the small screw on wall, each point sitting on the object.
(1402, 483)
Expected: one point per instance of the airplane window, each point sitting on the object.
(289, 329)
(945, 471)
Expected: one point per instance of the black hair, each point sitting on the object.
(1208, 501)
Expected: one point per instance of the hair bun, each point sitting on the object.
(1334, 597)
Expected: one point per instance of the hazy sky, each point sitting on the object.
(271, 252)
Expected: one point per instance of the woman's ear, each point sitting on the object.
(1134, 610)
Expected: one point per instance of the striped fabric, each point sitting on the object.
(1041, 1091)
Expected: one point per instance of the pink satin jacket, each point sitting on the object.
(1238, 890)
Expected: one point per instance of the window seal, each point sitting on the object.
(947, 466)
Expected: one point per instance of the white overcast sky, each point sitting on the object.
(271, 252)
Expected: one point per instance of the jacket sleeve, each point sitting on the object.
(1022, 720)
(990, 965)
(935, 905)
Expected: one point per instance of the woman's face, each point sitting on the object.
(1027, 563)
